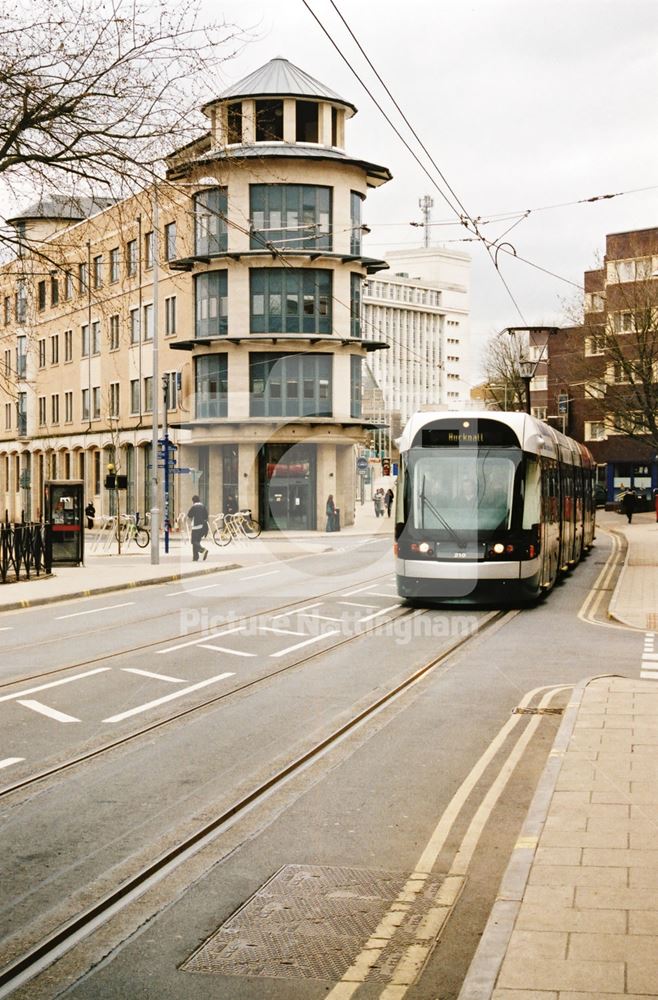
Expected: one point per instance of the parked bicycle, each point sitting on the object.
(226, 527)
(130, 529)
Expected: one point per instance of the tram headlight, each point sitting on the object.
(498, 548)
(422, 548)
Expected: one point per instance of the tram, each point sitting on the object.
(490, 507)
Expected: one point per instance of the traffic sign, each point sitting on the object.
(362, 464)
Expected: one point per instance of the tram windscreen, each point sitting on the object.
(455, 492)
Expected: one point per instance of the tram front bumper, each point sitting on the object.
(463, 580)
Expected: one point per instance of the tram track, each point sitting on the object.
(55, 944)
(151, 644)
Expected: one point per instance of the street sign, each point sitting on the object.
(362, 464)
(563, 403)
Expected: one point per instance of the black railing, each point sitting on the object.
(23, 550)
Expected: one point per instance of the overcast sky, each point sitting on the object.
(522, 104)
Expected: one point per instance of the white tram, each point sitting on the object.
(490, 506)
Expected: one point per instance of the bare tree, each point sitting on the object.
(503, 383)
(94, 94)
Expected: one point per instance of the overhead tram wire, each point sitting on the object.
(465, 217)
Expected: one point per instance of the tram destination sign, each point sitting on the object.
(467, 434)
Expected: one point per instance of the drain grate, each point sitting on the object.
(310, 922)
(538, 711)
(652, 621)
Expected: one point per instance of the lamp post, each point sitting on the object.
(526, 373)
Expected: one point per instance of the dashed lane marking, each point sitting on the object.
(307, 642)
(383, 611)
(279, 631)
(8, 761)
(359, 590)
(52, 713)
(93, 611)
(168, 697)
(354, 604)
(225, 649)
(190, 590)
(157, 677)
(258, 576)
(322, 618)
(7, 628)
(52, 684)
(296, 611)
(196, 642)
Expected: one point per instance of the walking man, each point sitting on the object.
(198, 515)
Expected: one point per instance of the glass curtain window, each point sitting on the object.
(292, 216)
(210, 229)
(211, 385)
(355, 305)
(285, 300)
(355, 219)
(356, 385)
(211, 298)
(293, 385)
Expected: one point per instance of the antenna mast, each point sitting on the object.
(426, 203)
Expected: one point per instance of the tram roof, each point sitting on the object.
(533, 435)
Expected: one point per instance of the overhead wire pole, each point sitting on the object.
(155, 385)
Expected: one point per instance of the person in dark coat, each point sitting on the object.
(331, 513)
(629, 503)
(198, 515)
(90, 512)
(388, 501)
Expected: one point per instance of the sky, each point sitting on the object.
(523, 105)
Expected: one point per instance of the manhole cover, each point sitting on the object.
(311, 922)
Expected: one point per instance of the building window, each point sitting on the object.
(68, 285)
(210, 229)
(41, 295)
(294, 216)
(84, 338)
(170, 240)
(21, 414)
(21, 356)
(7, 416)
(114, 399)
(96, 402)
(623, 322)
(54, 408)
(170, 316)
(211, 385)
(68, 407)
(42, 354)
(8, 363)
(134, 395)
(114, 332)
(148, 321)
(42, 411)
(134, 326)
(114, 265)
(211, 298)
(96, 337)
(269, 121)
(148, 394)
(54, 349)
(290, 301)
(594, 344)
(307, 119)
(54, 291)
(355, 305)
(7, 310)
(171, 389)
(98, 272)
(83, 278)
(356, 232)
(540, 412)
(68, 345)
(21, 302)
(97, 472)
(356, 385)
(148, 250)
(290, 385)
(595, 430)
(234, 123)
(595, 389)
(131, 258)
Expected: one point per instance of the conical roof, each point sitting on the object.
(280, 78)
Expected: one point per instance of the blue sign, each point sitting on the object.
(362, 464)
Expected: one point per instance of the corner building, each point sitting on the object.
(249, 283)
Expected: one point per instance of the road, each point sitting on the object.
(232, 705)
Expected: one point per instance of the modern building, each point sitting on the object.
(420, 308)
(235, 286)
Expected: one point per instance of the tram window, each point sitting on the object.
(532, 501)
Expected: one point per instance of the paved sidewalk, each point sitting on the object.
(104, 570)
(576, 916)
(635, 600)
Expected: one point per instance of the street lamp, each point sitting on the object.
(527, 370)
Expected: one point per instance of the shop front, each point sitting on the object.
(287, 487)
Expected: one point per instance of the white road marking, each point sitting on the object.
(52, 713)
(353, 604)
(297, 611)
(307, 642)
(225, 649)
(52, 684)
(272, 572)
(650, 656)
(196, 642)
(279, 631)
(8, 761)
(157, 677)
(367, 618)
(93, 611)
(322, 618)
(378, 593)
(8, 628)
(189, 590)
(167, 697)
(359, 590)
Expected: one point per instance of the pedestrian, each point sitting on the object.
(628, 503)
(388, 501)
(90, 512)
(378, 501)
(198, 515)
(331, 512)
